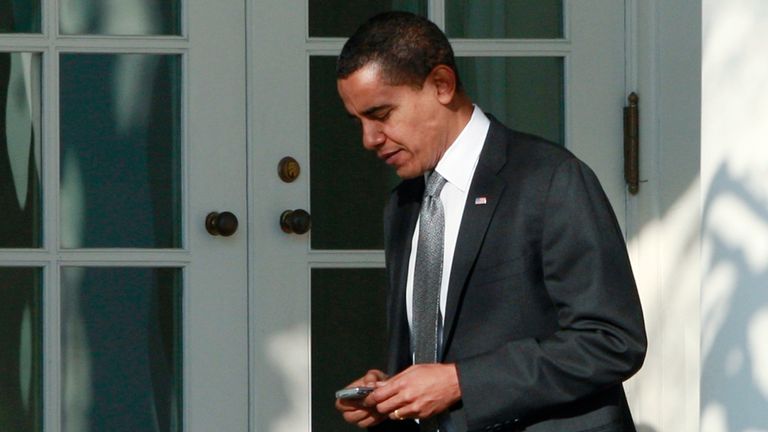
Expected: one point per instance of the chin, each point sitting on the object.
(407, 175)
(408, 171)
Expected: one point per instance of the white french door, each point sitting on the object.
(123, 129)
(554, 68)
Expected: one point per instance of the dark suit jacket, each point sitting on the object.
(543, 318)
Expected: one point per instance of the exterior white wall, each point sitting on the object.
(734, 231)
(664, 65)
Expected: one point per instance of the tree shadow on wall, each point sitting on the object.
(734, 307)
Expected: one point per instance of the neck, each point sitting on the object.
(460, 113)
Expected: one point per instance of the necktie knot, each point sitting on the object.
(435, 184)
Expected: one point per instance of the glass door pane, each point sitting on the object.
(339, 18)
(20, 150)
(19, 16)
(120, 120)
(524, 93)
(21, 347)
(504, 19)
(121, 349)
(123, 17)
(348, 336)
(349, 185)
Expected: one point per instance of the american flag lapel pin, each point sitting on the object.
(481, 200)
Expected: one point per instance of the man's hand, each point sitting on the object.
(363, 412)
(421, 391)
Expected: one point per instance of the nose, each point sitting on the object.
(372, 135)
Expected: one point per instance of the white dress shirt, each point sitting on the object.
(457, 166)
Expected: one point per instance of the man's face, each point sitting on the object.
(405, 126)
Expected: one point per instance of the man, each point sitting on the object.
(539, 320)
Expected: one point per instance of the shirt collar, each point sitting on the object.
(458, 163)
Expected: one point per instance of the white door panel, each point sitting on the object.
(316, 302)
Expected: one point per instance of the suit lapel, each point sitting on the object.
(484, 194)
(403, 219)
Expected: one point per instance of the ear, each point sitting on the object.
(444, 80)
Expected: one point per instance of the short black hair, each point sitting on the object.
(405, 46)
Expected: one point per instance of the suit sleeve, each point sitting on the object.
(395, 426)
(600, 340)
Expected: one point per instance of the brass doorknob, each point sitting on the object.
(221, 224)
(295, 221)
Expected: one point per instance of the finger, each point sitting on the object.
(390, 405)
(368, 402)
(348, 405)
(387, 390)
(368, 379)
(356, 416)
(363, 418)
(397, 400)
(400, 391)
(399, 414)
(374, 375)
(370, 421)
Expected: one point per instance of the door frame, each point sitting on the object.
(663, 64)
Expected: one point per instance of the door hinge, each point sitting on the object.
(632, 144)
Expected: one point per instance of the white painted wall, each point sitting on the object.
(734, 231)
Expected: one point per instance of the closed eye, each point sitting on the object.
(382, 116)
(378, 113)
